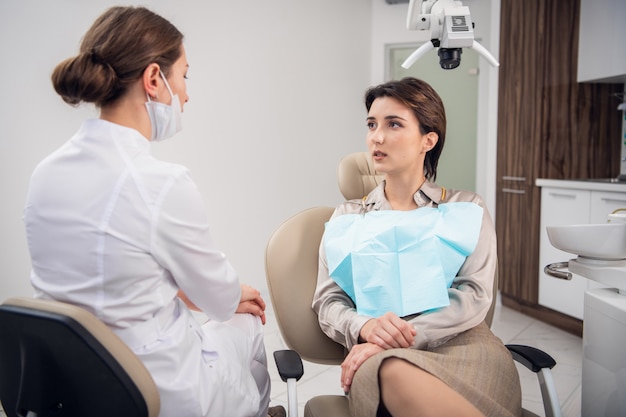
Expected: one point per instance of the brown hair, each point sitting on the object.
(427, 107)
(113, 54)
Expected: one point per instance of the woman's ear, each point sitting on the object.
(430, 140)
(150, 79)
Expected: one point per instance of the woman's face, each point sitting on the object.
(177, 79)
(394, 139)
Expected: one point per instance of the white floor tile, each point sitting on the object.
(572, 405)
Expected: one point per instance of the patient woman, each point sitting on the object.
(444, 361)
(114, 230)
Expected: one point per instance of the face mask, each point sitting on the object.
(165, 119)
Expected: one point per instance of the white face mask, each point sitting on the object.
(165, 119)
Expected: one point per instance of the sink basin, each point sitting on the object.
(605, 241)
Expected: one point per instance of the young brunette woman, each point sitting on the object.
(440, 362)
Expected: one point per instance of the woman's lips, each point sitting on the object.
(378, 155)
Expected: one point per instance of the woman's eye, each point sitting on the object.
(371, 125)
(394, 124)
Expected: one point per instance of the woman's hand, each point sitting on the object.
(388, 332)
(251, 302)
(359, 354)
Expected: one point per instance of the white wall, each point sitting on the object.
(389, 28)
(275, 101)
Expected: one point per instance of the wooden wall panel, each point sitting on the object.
(549, 126)
(580, 122)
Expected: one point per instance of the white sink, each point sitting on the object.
(605, 241)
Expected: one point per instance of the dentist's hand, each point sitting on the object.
(388, 331)
(251, 302)
(187, 301)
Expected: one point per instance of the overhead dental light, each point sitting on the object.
(450, 28)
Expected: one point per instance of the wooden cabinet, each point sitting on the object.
(517, 258)
(549, 126)
(602, 24)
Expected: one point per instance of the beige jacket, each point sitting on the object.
(470, 295)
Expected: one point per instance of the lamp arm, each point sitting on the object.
(485, 53)
(417, 54)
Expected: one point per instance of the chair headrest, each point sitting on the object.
(356, 175)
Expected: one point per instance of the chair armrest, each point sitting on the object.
(532, 358)
(540, 363)
(289, 364)
(290, 369)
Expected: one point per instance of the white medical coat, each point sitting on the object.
(118, 232)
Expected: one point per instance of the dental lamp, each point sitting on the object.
(450, 27)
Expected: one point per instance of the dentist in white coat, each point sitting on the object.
(126, 236)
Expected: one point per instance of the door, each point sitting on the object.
(458, 89)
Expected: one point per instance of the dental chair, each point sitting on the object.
(291, 264)
(57, 359)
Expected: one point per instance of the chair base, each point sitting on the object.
(327, 406)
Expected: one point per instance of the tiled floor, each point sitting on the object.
(509, 325)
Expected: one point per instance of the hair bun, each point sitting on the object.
(85, 78)
(114, 53)
(95, 58)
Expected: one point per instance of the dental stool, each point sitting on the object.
(57, 359)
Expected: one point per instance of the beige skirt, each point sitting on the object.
(475, 363)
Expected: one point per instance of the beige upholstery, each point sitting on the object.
(327, 406)
(291, 268)
(130, 363)
(356, 175)
(291, 272)
(337, 406)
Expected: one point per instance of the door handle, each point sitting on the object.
(512, 178)
(513, 191)
(563, 195)
(613, 200)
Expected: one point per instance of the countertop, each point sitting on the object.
(607, 184)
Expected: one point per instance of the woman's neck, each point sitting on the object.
(400, 192)
(129, 111)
